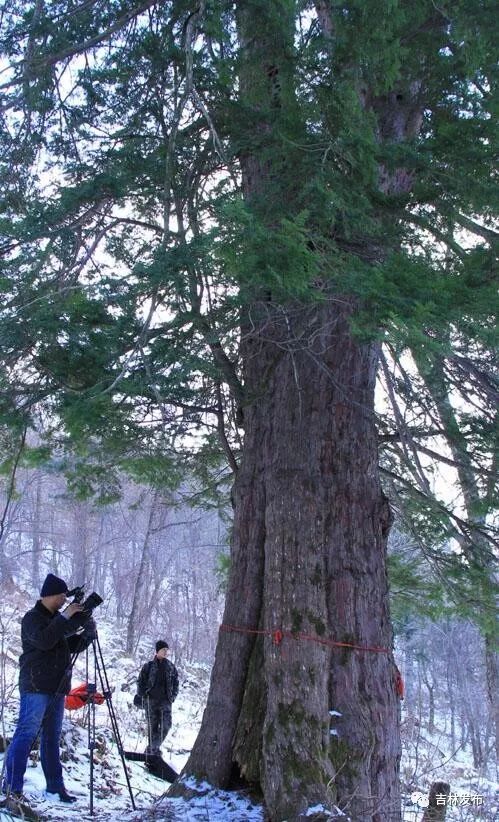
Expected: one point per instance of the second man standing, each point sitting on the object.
(157, 690)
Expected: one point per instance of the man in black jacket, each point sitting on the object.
(157, 690)
(48, 640)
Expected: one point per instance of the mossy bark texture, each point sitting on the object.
(310, 537)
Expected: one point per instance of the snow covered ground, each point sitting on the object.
(426, 759)
(429, 758)
(112, 802)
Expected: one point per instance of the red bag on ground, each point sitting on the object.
(79, 697)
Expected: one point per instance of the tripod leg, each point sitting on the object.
(104, 681)
(150, 726)
(91, 747)
(91, 689)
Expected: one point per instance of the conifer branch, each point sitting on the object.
(446, 239)
(464, 529)
(31, 65)
(405, 436)
(476, 228)
(222, 432)
(481, 380)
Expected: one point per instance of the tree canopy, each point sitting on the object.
(127, 252)
(181, 179)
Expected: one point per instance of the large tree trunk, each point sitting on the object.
(308, 559)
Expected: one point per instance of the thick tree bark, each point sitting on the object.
(212, 757)
(326, 526)
(308, 559)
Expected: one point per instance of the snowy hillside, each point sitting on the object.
(111, 796)
(427, 758)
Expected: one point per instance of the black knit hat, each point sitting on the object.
(53, 585)
(161, 644)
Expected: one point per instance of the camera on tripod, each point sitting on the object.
(91, 602)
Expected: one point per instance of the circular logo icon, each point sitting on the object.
(419, 799)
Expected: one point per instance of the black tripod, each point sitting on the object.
(101, 673)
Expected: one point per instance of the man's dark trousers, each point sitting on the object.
(159, 722)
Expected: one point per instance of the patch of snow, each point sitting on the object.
(224, 806)
(334, 814)
(192, 783)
